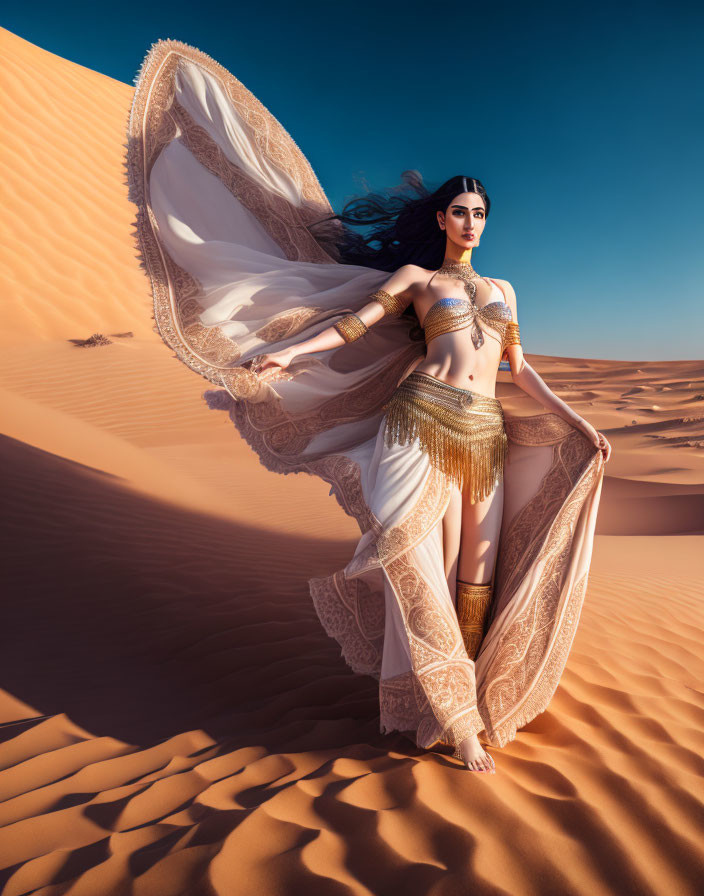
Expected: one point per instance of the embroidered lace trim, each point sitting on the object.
(525, 671)
(155, 120)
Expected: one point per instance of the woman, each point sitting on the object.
(464, 592)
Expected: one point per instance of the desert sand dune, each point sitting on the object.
(174, 719)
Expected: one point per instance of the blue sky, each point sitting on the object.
(583, 121)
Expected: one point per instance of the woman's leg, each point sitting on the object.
(451, 535)
(481, 525)
(479, 542)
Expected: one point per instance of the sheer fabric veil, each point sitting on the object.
(227, 206)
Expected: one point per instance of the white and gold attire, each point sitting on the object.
(225, 203)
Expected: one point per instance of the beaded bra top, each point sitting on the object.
(451, 313)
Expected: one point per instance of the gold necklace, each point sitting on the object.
(464, 271)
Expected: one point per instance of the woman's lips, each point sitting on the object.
(469, 236)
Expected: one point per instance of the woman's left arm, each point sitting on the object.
(527, 379)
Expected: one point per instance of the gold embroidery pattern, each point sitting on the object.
(289, 323)
(279, 438)
(145, 140)
(344, 477)
(519, 700)
(439, 661)
(533, 650)
(272, 139)
(282, 437)
(281, 219)
(241, 383)
(437, 698)
(354, 615)
(415, 525)
(210, 348)
(155, 120)
(403, 706)
(525, 536)
(537, 430)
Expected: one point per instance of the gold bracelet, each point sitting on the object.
(351, 327)
(392, 305)
(513, 334)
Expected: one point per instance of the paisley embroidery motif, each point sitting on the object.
(288, 324)
(155, 120)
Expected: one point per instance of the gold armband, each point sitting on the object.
(513, 334)
(351, 327)
(392, 305)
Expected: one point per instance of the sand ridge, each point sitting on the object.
(174, 719)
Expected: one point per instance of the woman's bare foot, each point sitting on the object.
(471, 752)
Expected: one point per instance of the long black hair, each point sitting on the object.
(402, 228)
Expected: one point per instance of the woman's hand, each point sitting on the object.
(264, 365)
(596, 438)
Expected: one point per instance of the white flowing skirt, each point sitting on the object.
(391, 610)
(227, 225)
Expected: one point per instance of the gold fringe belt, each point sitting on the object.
(461, 431)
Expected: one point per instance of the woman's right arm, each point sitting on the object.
(390, 301)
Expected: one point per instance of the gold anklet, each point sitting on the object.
(473, 605)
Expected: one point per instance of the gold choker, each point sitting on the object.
(461, 268)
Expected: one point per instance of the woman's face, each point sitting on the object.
(464, 220)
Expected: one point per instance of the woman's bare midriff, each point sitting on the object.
(451, 357)
(444, 365)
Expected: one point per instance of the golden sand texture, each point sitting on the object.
(174, 719)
